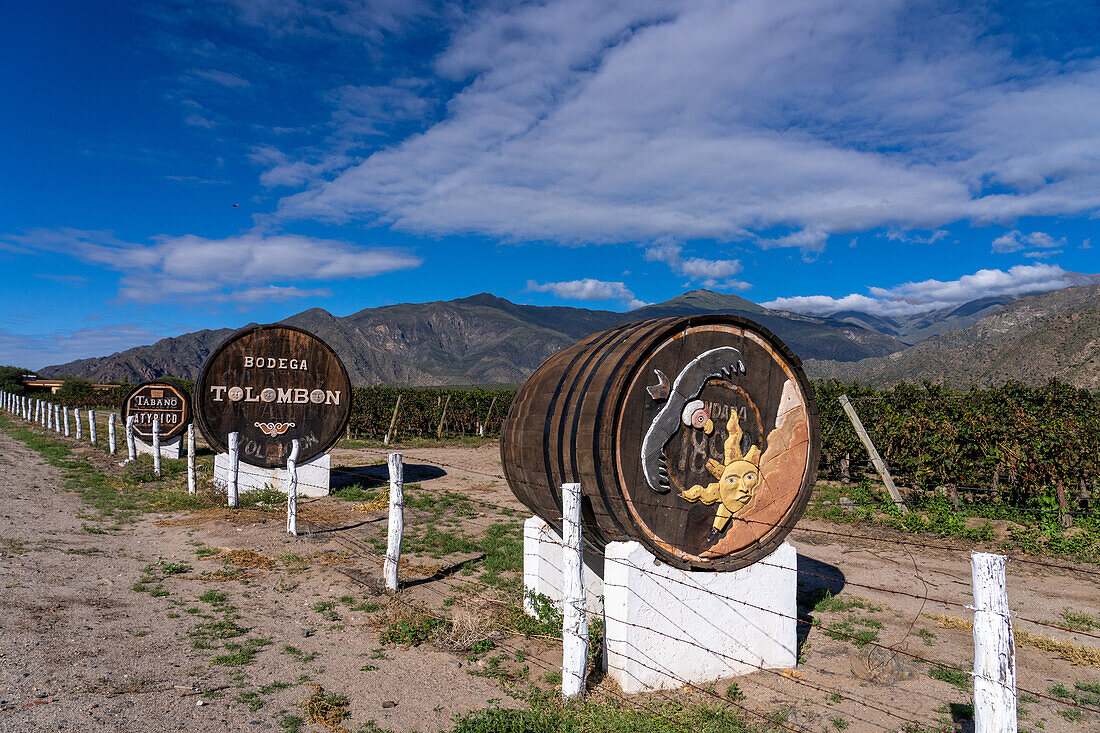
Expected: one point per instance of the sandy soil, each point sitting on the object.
(82, 650)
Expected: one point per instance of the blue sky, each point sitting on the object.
(169, 165)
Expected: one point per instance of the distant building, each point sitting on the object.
(35, 384)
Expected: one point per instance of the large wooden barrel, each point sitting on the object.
(695, 436)
(272, 385)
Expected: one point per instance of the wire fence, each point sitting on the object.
(444, 585)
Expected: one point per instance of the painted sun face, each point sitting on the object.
(738, 482)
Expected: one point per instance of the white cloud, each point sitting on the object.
(1008, 242)
(1014, 241)
(35, 351)
(579, 120)
(713, 274)
(929, 295)
(224, 78)
(244, 268)
(588, 289)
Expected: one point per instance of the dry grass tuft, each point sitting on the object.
(328, 711)
(382, 502)
(950, 622)
(247, 559)
(471, 622)
(1086, 656)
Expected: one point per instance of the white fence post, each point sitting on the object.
(292, 489)
(48, 422)
(112, 443)
(397, 519)
(994, 652)
(191, 458)
(65, 412)
(91, 426)
(131, 446)
(79, 425)
(234, 465)
(156, 446)
(575, 619)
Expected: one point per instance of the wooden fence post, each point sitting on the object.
(292, 489)
(397, 520)
(91, 426)
(49, 416)
(156, 446)
(79, 425)
(1065, 519)
(234, 465)
(575, 619)
(191, 458)
(994, 652)
(112, 442)
(131, 446)
(876, 459)
(439, 431)
(66, 415)
(393, 420)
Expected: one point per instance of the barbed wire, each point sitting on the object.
(795, 618)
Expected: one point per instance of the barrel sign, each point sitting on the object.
(695, 436)
(161, 400)
(273, 384)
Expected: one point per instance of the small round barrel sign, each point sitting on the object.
(272, 385)
(161, 400)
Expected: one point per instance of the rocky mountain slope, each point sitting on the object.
(482, 339)
(1055, 334)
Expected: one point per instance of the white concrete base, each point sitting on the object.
(665, 627)
(168, 449)
(313, 477)
(542, 567)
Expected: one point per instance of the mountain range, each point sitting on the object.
(484, 339)
(481, 339)
(1029, 340)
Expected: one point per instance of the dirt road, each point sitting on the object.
(218, 621)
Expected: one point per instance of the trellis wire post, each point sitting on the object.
(876, 459)
(439, 430)
(91, 426)
(292, 489)
(65, 413)
(79, 425)
(131, 445)
(574, 629)
(156, 446)
(397, 519)
(234, 465)
(191, 458)
(393, 420)
(112, 442)
(994, 653)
